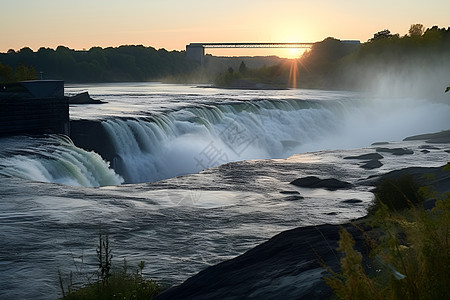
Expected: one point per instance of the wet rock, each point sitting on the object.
(331, 184)
(428, 147)
(293, 198)
(372, 164)
(434, 138)
(289, 192)
(396, 151)
(369, 156)
(379, 143)
(83, 98)
(285, 267)
(352, 201)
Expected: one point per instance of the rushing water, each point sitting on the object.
(56, 197)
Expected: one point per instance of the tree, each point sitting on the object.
(383, 34)
(5, 73)
(416, 30)
(23, 72)
(242, 68)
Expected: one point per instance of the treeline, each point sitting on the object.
(418, 62)
(118, 64)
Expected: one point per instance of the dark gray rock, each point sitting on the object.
(352, 201)
(289, 192)
(396, 151)
(372, 164)
(285, 267)
(83, 98)
(434, 138)
(369, 156)
(314, 182)
(380, 143)
(293, 198)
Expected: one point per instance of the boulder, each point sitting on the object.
(369, 156)
(83, 98)
(396, 151)
(331, 184)
(372, 164)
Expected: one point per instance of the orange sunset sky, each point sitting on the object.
(171, 24)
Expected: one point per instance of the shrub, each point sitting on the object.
(397, 194)
(411, 256)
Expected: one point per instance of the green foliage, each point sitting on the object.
(397, 194)
(124, 63)
(121, 285)
(21, 73)
(411, 255)
(352, 282)
(5, 74)
(115, 284)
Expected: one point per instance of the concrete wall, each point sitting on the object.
(34, 107)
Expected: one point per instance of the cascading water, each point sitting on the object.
(192, 138)
(56, 159)
(195, 138)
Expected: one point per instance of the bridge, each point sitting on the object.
(196, 51)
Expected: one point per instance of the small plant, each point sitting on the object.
(104, 257)
(112, 284)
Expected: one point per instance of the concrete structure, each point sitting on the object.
(34, 107)
(196, 51)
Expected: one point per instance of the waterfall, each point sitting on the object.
(195, 138)
(54, 158)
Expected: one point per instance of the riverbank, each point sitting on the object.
(289, 265)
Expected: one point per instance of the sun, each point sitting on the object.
(294, 52)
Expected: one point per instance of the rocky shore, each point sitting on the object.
(289, 264)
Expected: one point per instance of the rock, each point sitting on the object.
(314, 182)
(425, 151)
(372, 164)
(434, 138)
(370, 156)
(379, 143)
(289, 192)
(285, 267)
(83, 98)
(428, 147)
(396, 151)
(293, 198)
(352, 201)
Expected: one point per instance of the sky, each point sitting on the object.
(171, 24)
